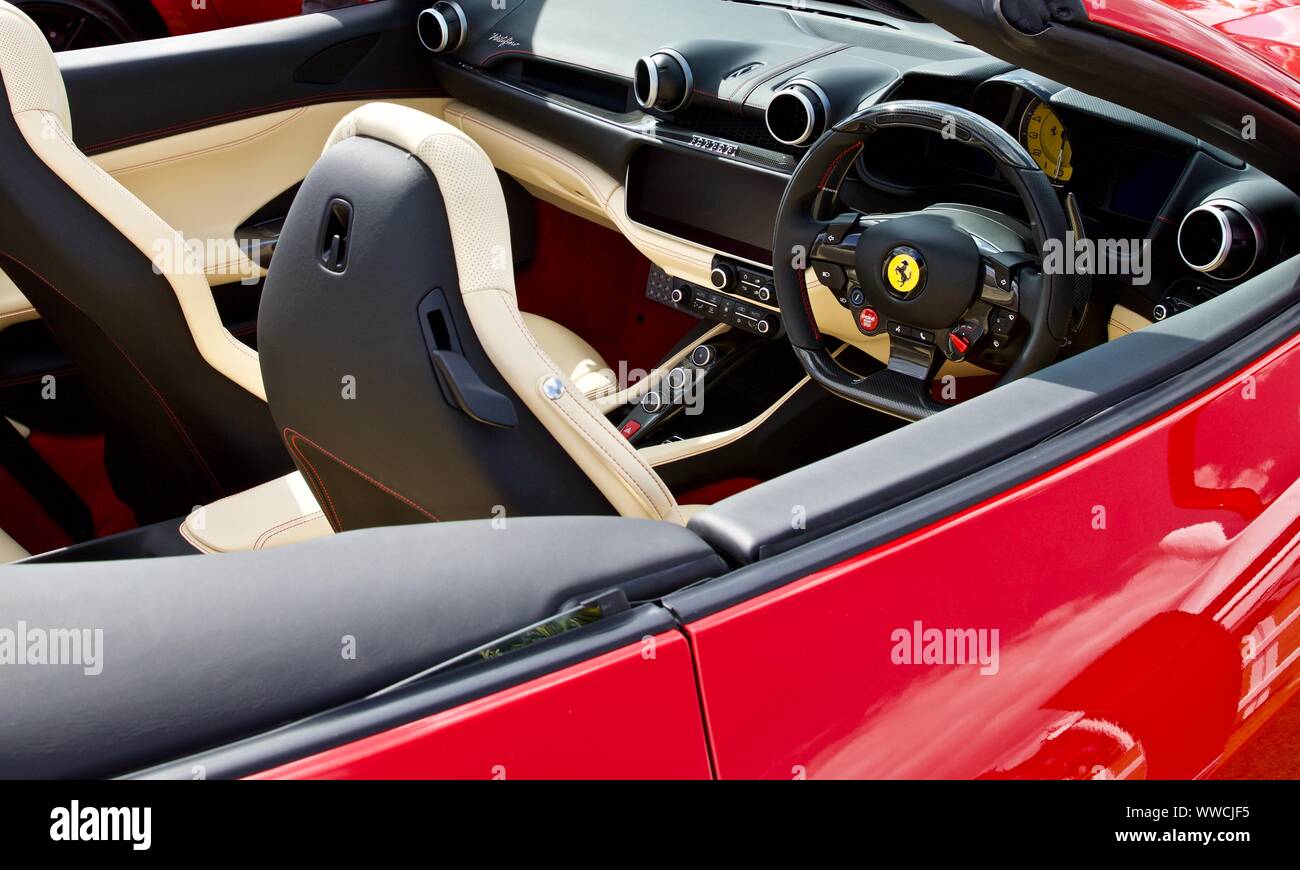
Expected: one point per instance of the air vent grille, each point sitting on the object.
(733, 128)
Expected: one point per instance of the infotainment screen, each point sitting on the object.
(705, 200)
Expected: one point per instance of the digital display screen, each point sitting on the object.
(705, 200)
(1145, 180)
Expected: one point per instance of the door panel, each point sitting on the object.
(1143, 599)
(291, 645)
(207, 129)
(207, 183)
(126, 94)
(629, 714)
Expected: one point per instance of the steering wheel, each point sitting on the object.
(938, 287)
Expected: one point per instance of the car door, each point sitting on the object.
(398, 652)
(1119, 600)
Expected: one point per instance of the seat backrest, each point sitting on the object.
(181, 398)
(396, 166)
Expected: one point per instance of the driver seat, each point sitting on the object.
(393, 283)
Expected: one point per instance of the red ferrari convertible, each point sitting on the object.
(689, 389)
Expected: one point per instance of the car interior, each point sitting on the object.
(674, 262)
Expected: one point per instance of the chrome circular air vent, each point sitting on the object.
(1220, 238)
(799, 113)
(442, 27)
(663, 81)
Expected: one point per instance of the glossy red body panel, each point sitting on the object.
(1150, 586)
(186, 16)
(1258, 41)
(633, 713)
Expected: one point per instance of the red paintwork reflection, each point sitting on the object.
(629, 713)
(1254, 40)
(1146, 599)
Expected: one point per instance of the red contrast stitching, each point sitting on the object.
(807, 305)
(836, 162)
(292, 437)
(176, 423)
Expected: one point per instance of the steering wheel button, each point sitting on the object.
(868, 319)
(959, 344)
(857, 297)
(841, 228)
(831, 275)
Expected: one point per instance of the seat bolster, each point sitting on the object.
(591, 441)
(31, 74)
(480, 232)
(277, 513)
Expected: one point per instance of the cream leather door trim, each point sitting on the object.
(207, 182)
(1124, 321)
(14, 307)
(274, 514)
(547, 170)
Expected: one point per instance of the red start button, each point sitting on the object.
(868, 320)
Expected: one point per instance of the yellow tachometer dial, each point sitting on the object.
(1044, 137)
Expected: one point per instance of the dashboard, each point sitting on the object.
(683, 120)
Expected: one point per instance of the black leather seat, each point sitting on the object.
(462, 409)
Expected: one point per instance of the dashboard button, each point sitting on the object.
(630, 428)
(868, 320)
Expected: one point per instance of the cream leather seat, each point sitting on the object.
(581, 363)
(10, 550)
(385, 466)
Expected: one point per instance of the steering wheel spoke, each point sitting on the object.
(1000, 277)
